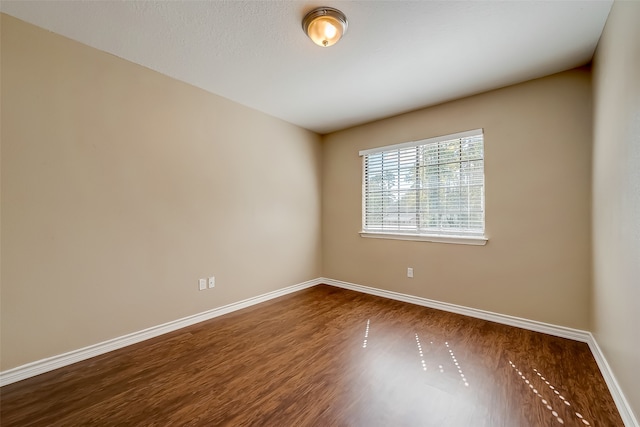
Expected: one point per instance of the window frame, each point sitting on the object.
(452, 237)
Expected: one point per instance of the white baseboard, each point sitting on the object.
(532, 325)
(49, 364)
(626, 413)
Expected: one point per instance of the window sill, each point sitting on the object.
(459, 240)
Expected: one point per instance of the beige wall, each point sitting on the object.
(616, 197)
(121, 187)
(536, 264)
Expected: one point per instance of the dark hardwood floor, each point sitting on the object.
(326, 357)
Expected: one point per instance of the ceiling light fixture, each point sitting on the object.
(325, 26)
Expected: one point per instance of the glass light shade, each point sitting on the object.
(325, 26)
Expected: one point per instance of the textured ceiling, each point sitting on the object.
(397, 56)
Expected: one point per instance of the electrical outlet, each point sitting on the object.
(410, 272)
(212, 282)
(202, 284)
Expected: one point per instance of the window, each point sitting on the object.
(431, 189)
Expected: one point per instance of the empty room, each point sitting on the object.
(346, 213)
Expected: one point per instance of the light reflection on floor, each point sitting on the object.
(457, 365)
(424, 354)
(386, 375)
(452, 355)
(537, 393)
(366, 335)
(424, 364)
(403, 380)
(421, 353)
(544, 401)
(559, 396)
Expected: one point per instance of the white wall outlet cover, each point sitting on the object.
(212, 282)
(409, 272)
(202, 284)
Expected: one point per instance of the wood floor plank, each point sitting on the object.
(326, 357)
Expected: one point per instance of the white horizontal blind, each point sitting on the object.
(429, 187)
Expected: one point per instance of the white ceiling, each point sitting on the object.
(396, 56)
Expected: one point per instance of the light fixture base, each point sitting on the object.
(325, 25)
